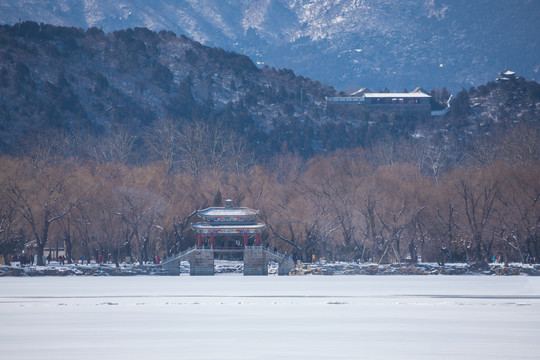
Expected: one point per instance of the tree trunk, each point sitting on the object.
(68, 248)
(442, 255)
(41, 242)
(7, 262)
(115, 258)
(412, 251)
(40, 255)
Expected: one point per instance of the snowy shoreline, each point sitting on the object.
(236, 267)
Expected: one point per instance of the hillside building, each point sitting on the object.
(506, 76)
(417, 103)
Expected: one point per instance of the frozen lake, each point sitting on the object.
(236, 317)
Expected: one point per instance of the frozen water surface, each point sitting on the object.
(236, 317)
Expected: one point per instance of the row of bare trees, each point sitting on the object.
(343, 208)
(339, 207)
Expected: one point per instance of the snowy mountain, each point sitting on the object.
(343, 43)
(66, 78)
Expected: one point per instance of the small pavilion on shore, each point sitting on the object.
(228, 223)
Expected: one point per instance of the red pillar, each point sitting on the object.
(212, 240)
(199, 240)
(257, 239)
(245, 239)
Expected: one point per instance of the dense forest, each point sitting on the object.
(110, 142)
(340, 206)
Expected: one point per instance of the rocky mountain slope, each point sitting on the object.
(343, 43)
(90, 82)
(136, 96)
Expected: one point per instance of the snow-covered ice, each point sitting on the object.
(236, 317)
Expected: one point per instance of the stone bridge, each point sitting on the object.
(256, 259)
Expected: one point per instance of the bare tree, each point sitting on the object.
(445, 231)
(478, 205)
(283, 229)
(165, 140)
(519, 215)
(115, 146)
(66, 235)
(205, 147)
(11, 235)
(338, 182)
(139, 211)
(521, 145)
(41, 196)
(371, 230)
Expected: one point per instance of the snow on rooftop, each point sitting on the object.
(396, 95)
(228, 211)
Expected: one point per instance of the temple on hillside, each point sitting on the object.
(506, 76)
(418, 102)
(227, 220)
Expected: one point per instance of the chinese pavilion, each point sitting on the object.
(506, 76)
(227, 220)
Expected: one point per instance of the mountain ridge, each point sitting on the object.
(123, 96)
(90, 81)
(347, 44)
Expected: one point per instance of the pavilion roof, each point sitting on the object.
(419, 89)
(228, 211)
(220, 228)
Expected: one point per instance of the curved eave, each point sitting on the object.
(215, 218)
(228, 212)
(205, 228)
